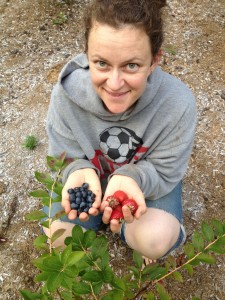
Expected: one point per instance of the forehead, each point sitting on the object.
(129, 37)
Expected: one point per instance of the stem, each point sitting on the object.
(49, 212)
(93, 292)
(174, 270)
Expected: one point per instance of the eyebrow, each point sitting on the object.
(124, 62)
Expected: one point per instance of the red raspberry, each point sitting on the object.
(113, 202)
(132, 204)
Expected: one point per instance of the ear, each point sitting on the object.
(156, 60)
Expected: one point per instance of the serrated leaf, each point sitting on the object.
(66, 295)
(171, 259)
(162, 292)
(177, 276)
(149, 268)
(157, 273)
(35, 215)
(52, 263)
(198, 241)
(81, 288)
(206, 258)
(92, 276)
(189, 250)
(219, 227)
(207, 231)
(190, 269)
(39, 193)
(41, 242)
(114, 295)
(42, 277)
(57, 234)
(138, 259)
(97, 286)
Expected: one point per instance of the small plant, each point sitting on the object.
(60, 19)
(82, 269)
(30, 142)
(170, 49)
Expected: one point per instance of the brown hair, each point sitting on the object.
(116, 13)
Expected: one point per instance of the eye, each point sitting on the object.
(132, 67)
(101, 64)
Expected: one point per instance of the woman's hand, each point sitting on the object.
(131, 188)
(76, 179)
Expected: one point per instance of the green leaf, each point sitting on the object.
(59, 214)
(42, 277)
(135, 271)
(207, 232)
(39, 193)
(57, 234)
(77, 235)
(74, 257)
(27, 295)
(104, 262)
(157, 273)
(107, 275)
(54, 281)
(89, 237)
(162, 292)
(219, 227)
(44, 178)
(198, 241)
(189, 250)
(138, 259)
(114, 295)
(54, 163)
(195, 298)
(58, 188)
(92, 276)
(97, 286)
(219, 249)
(99, 246)
(35, 215)
(206, 258)
(190, 269)
(67, 295)
(57, 199)
(171, 259)
(149, 296)
(45, 201)
(45, 223)
(65, 254)
(81, 288)
(41, 242)
(52, 263)
(118, 283)
(177, 276)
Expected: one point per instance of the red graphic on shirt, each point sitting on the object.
(106, 166)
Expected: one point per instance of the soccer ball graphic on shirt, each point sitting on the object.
(119, 143)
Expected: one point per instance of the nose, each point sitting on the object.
(115, 80)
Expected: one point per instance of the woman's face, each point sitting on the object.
(120, 63)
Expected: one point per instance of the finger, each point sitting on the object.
(115, 226)
(140, 211)
(106, 215)
(128, 217)
(104, 204)
(72, 214)
(93, 211)
(83, 217)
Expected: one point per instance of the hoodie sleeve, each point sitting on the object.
(165, 166)
(61, 138)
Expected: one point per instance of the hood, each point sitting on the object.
(75, 83)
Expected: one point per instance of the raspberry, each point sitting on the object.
(81, 199)
(131, 203)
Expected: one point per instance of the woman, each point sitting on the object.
(129, 124)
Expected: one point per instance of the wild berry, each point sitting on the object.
(131, 203)
(81, 199)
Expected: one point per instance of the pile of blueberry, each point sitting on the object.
(81, 198)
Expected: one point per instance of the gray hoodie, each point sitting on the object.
(151, 142)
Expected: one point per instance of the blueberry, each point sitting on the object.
(89, 192)
(74, 206)
(83, 204)
(78, 194)
(70, 191)
(72, 198)
(86, 209)
(85, 185)
(84, 194)
(89, 199)
(78, 200)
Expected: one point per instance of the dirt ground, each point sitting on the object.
(33, 50)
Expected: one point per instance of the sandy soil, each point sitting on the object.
(33, 50)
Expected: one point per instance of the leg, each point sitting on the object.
(154, 234)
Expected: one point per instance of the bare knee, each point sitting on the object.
(154, 234)
(56, 225)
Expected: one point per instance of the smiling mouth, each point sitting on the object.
(116, 95)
